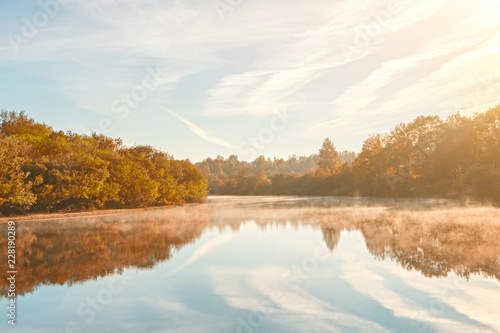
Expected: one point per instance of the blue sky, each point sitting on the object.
(202, 78)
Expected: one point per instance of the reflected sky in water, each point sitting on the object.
(263, 265)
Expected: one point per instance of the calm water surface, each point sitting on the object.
(262, 265)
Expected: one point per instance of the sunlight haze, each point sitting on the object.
(273, 78)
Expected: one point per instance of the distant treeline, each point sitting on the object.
(458, 157)
(43, 170)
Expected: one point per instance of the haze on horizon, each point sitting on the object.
(203, 78)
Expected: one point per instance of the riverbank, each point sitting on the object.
(94, 213)
(341, 201)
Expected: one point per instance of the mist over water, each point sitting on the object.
(263, 264)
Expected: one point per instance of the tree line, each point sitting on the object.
(43, 170)
(457, 157)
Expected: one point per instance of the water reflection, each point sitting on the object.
(80, 249)
(435, 241)
(435, 237)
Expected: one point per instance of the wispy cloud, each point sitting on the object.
(262, 58)
(441, 74)
(200, 131)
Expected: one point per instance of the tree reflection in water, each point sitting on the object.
(431, 237)
(80, 249)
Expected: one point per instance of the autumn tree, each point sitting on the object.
(15, 190)
(328, 156)
(47, 170)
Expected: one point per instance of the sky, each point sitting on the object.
(199, 79)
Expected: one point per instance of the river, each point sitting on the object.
(261, 264)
